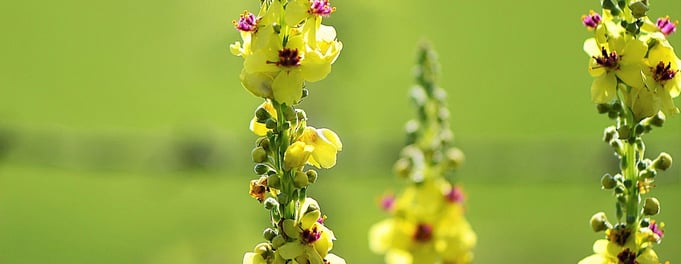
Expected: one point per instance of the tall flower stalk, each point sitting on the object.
(636, 75)
(283, 47)
(427, 223)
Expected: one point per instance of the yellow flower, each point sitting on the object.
(617, 59)
(325, 143)
(253, 258)
(664, 69)
(259, 128)
(610, 253)
(297, 154)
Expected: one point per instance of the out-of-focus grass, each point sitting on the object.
(57, 216)
(137, 72)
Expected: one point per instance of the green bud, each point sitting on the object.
(628, 183)
(273, 181)
(631, 219)
(648, 174)
(270, 203)
(663, 161)
(619, 190)
(271, 123)
(305, 93)
(455, 157)
(402, 167)
(608, 182)
(261, 168)
(599, 222)
(269, 234)
(613, 114)
(624, 132)
(658, 119)
(290, 228)
(277, 27)
(278, 241)
(618, 210)
(651, 206)
(609, 134)
(259, 154)
(262, 115)
(263, 142)
(639, 129)
(289, 113)
(283, 198)
(645, 222)
(617, 145)
(311, 176)
(300, 114)
(603, 108)
(638, 9)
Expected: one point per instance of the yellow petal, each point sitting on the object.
(333, 259)
(631, 75)
(252, 258)
(398, 257)
(296, 155)
(314, 67)
(381, 236)
(258, 83)
(603, 88)
(288, 86)
(296, 12)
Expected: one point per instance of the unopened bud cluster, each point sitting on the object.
(427, 223)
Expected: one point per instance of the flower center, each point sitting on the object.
(309, 236)
(610, 61)
(619, 234)
(424, 233)
(247, 22)
(592, 20)
(287, 58)
(627, 257)
(321, 8)
(663, 72)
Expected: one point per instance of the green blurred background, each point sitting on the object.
(124, 130)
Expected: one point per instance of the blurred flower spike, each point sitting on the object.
(636, 78)
(426, 223)
(284, 46)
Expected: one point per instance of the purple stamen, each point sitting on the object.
(247, 22)
(455, 195)
(610, 61)
(387, 202)
(627, 257)
(662, 72)
(592, 20)
(309, 236)
(287, 58)
(666, 26)
(656, 229)
(321, 8)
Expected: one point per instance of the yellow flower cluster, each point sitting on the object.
(621, 246)
(284, 46)
(630, 55)
(304, 240)
(427, 227)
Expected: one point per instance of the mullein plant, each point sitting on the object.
(426, 223)
(284, 46)
(636, 75)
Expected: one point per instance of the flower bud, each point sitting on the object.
(658, 119)
(270, 203)
(663, 161)
(311, 176)
(609, 134)
(603, 108)
(278, 241)
(289, 113)
(608, 182)
(402, 167)
(283, 198)
(648, 174)
(273, 181)
(599, 222)
(262, 115)
(618, 146)
(269, 234)
(455, 157)
(263, 142)
(271, 123)
(261, 168)
(306, 92)
(651, 206)
(300, 179)
(259, 154)
(638, 9)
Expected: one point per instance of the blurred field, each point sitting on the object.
(124, 139)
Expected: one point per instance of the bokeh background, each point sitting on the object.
(124, 130)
